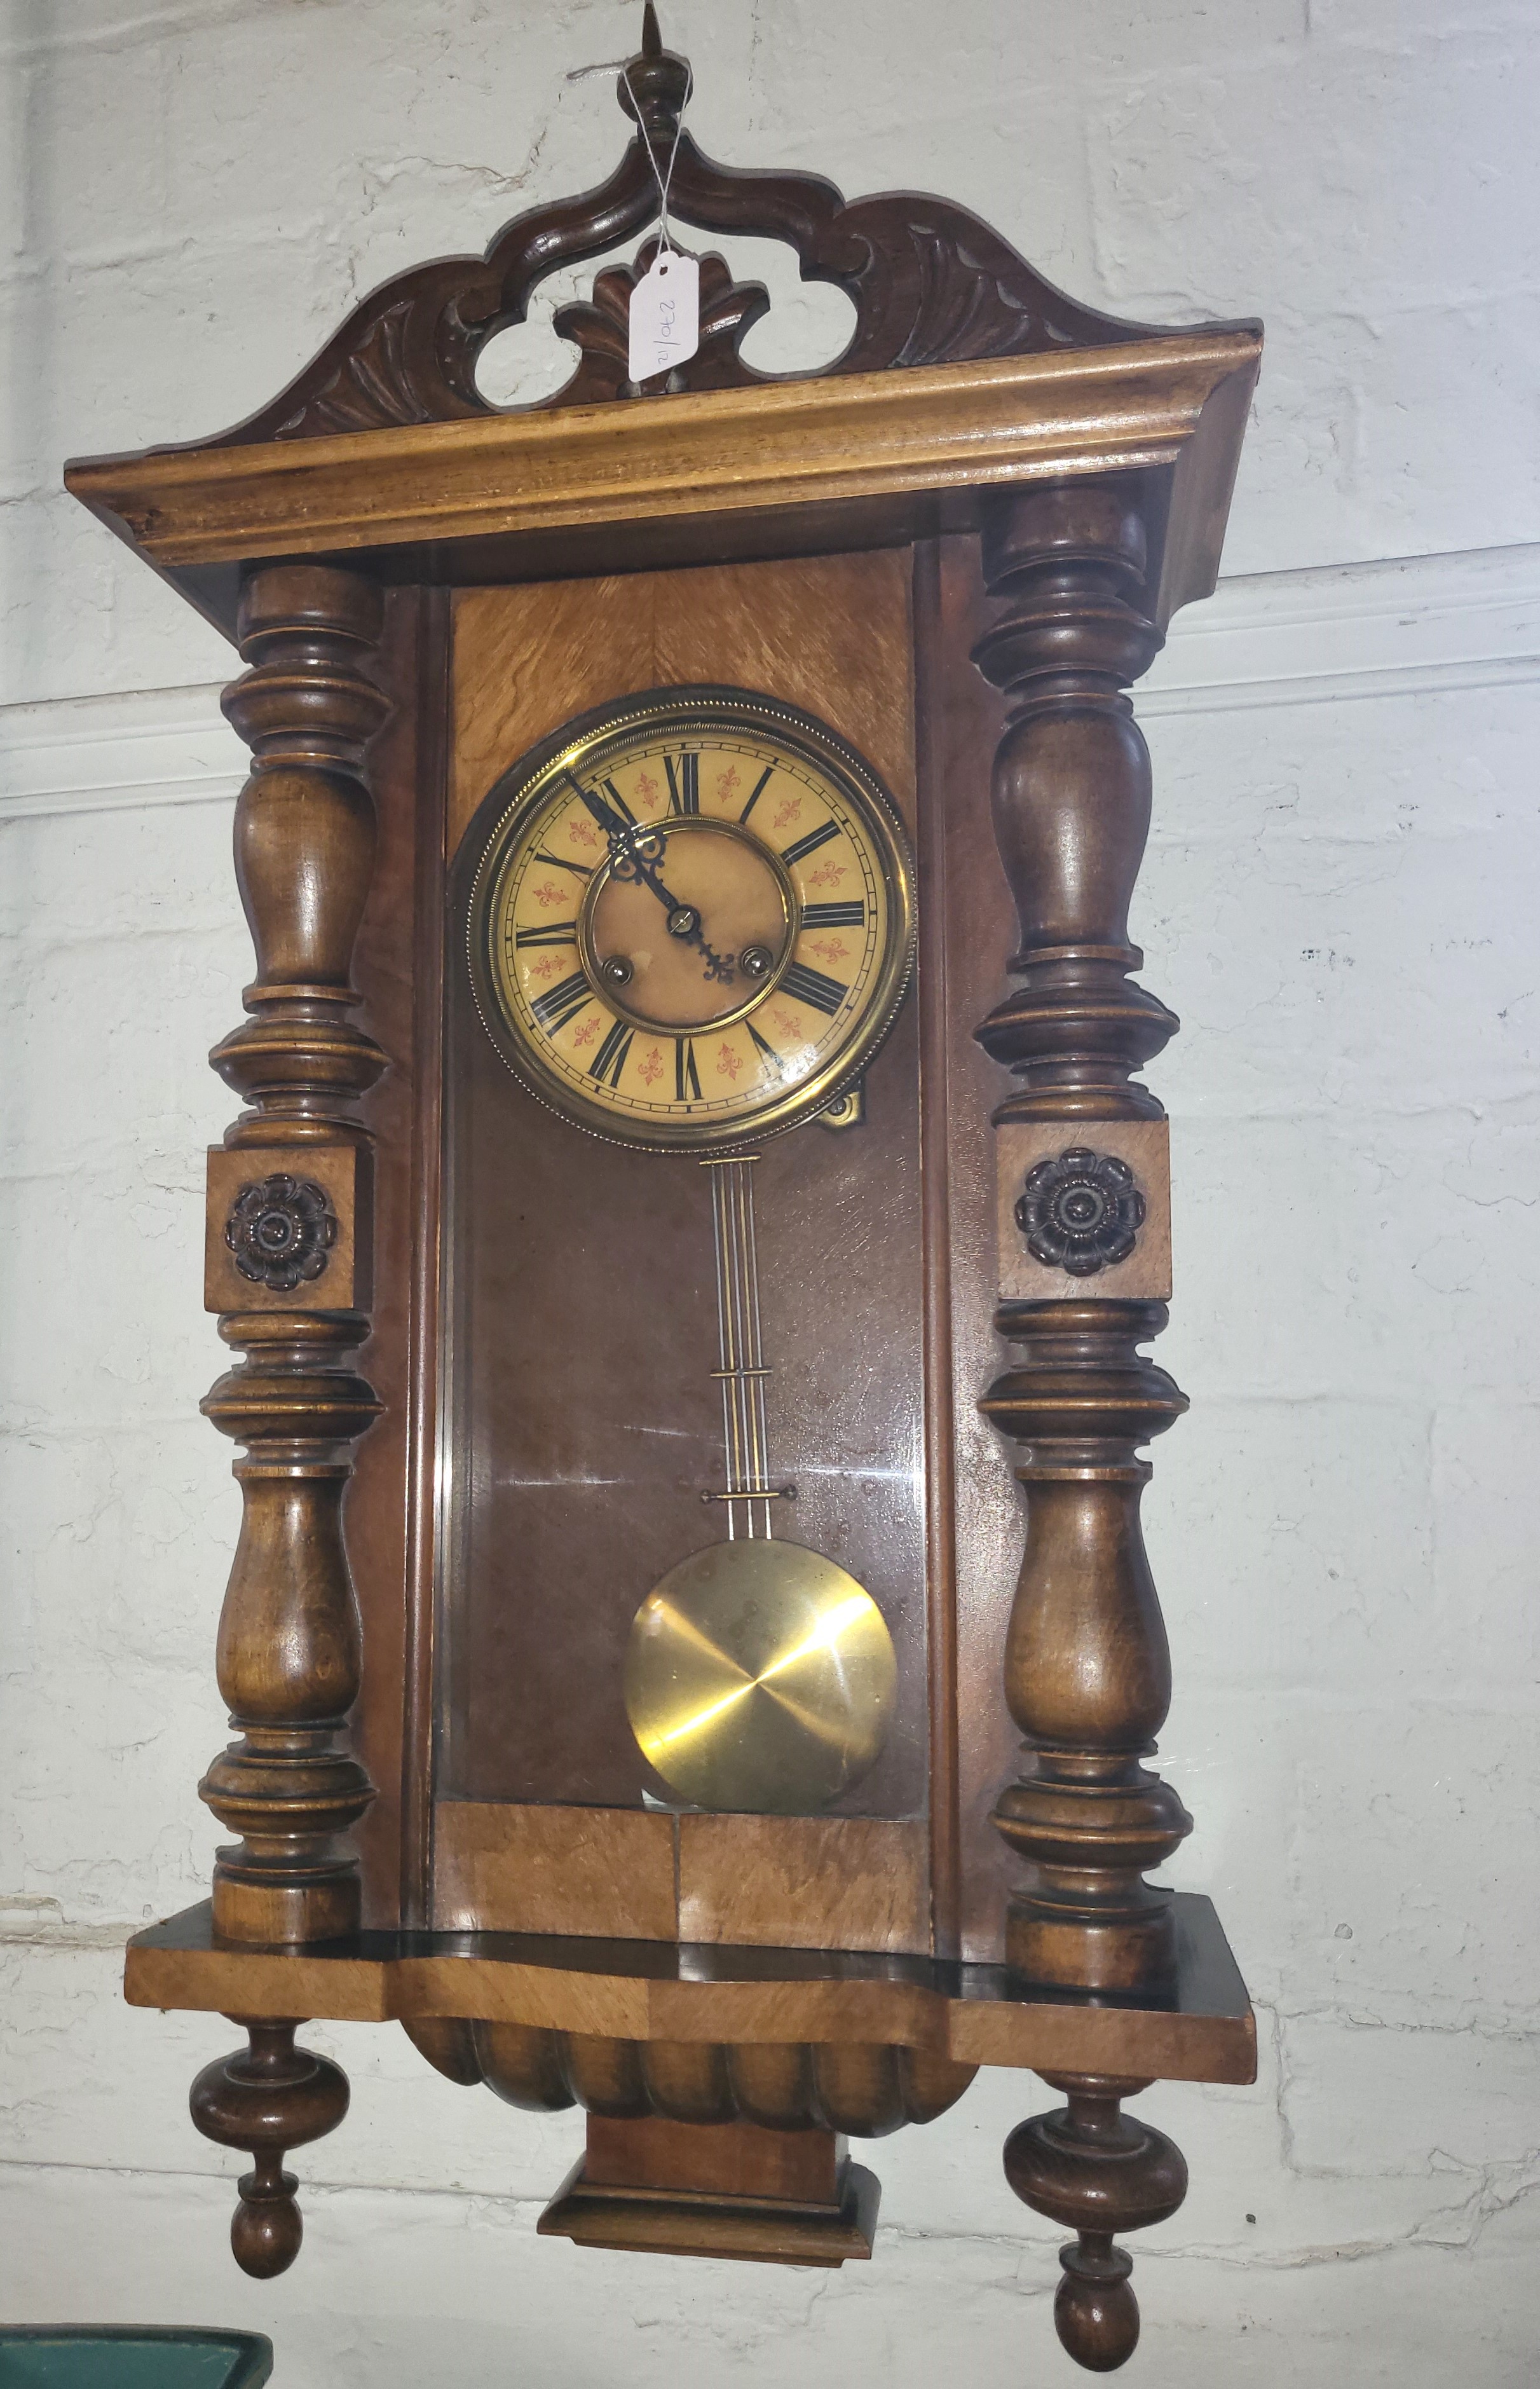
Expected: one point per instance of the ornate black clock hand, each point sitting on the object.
(617, 828)
(635, 848)
(684, 921)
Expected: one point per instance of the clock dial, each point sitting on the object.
(692, 919)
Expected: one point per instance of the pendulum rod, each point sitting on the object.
(742, 1374)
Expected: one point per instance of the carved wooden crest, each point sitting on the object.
(931, 284)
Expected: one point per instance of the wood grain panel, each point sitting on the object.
(829, 634)
(501, 1869)
(742, 2160)
(404, 785)
(936, 667)
(527, 659)
(805, 1882)
(966, 718)
(593, 1376)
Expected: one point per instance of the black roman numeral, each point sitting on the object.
(766, 1047)
(687, 1079)
(549, 933)
(583, 870)
(810, 844)
(685, 790)
(805, 986)
(610, 1060)
(557, 1005)
(757, 790)
(618, 801)
(834, 916)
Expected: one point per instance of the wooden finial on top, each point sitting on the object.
(657, 81)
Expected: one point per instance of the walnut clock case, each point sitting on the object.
(693, 1154)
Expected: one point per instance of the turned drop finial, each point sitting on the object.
(652, 40)
(1099, 2171)
(268, 2098)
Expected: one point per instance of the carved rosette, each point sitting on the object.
(280, 1231)
(1081, 1211)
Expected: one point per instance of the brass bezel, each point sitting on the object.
(524, 790)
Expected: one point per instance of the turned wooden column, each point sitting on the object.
(1084, 1245)
(288, 1272)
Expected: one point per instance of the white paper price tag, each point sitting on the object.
(664, 314)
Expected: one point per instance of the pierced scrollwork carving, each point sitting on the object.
(931, 284)
(1080, 1211)
(281, 1230)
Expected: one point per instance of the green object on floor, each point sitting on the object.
(132, 2358)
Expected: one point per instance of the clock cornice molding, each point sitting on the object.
(789, 467)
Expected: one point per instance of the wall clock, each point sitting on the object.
(693, 1163)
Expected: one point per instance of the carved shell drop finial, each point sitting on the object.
(601, 326)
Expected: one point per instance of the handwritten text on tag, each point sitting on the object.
(664, 314)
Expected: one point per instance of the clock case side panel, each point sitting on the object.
(967, 923)
(834, 636)
(392, 1506)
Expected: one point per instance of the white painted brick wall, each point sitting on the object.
(1339, 901)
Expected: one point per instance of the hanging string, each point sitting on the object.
(621, 67)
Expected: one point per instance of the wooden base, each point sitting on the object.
(1199, 2029)
(716, 2189)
